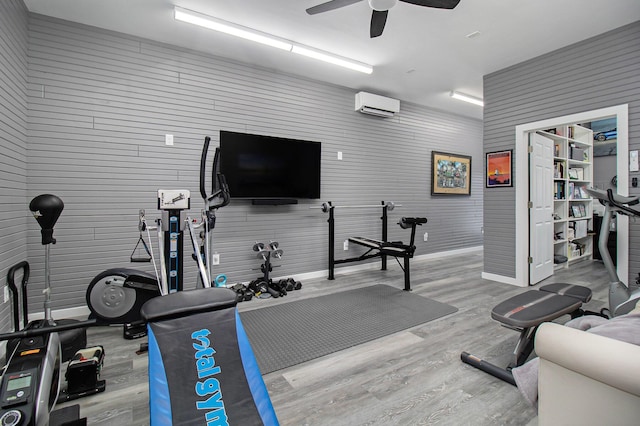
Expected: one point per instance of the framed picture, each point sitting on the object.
(450, 174)
(499, 169)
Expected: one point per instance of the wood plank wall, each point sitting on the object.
(600, 72)
(14, 213)
(100, 104)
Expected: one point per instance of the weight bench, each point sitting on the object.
(524, 313)
(395, 249)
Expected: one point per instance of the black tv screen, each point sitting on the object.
(258, 166)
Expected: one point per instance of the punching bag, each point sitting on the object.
(46, 208)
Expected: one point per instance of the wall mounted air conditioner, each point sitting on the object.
(368, 103)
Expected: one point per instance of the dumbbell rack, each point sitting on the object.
(266, 252)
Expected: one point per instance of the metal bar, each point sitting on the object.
(47, 285)
(357, 259)
(332, 262)
(487, 367)
(356, 206)
(204, 275)
(44, 330)
(407, 273)
(384, 233)
(164, 285)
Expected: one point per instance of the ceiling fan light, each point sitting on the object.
(382, 5)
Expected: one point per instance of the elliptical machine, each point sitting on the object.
(116, 295)
(622, 298)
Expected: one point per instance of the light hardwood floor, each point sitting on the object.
(414, 377)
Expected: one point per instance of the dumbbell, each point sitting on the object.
(262, 253)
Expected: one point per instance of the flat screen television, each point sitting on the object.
(266, 167)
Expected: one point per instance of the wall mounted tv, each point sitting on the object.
(265, 167)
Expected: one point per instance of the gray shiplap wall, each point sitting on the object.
(596, 73)
(101, 102)
(13, 141)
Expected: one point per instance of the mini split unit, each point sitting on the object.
(368, 103)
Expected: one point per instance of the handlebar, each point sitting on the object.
(203, 166)
(223, 192)
(618, 202)
(11, 277)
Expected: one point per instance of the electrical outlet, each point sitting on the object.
(168, 139)
(6, 294)
(215, 259)
(339, 155)
(346, 244)
(426, 236)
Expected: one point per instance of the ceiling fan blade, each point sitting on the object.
(440, 4)
(378, 19)
(330, 5)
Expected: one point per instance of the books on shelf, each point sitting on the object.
(577, 192)
(559, 191)
(578, 211)
(576, 173)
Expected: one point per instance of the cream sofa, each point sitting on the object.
(586, 379)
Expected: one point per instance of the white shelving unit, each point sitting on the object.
(573, 208)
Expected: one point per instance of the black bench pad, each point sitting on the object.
(572, 290)
(392, 249)
(533, 307)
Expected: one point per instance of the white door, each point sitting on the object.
(541, 208)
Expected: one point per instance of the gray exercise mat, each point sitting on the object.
(291, 333)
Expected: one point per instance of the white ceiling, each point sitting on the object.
(422, 55)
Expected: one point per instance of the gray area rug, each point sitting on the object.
(291, 333)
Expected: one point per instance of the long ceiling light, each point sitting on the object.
(229, 28)
(466, 98)
(216, 24)
(332, 59)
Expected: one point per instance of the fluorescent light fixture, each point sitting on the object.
(216, 24)
(466, 98)
(332, 59)
(229, 28)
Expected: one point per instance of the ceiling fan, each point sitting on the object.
(380, 9)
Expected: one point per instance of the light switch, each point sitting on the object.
(633, 161)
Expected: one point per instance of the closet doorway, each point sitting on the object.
(522, 179)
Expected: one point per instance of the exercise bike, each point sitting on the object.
(115, 296)
(622, 298)
(526, 311)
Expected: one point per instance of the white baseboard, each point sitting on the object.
(79, 312)
(82, 312)
(502, 279)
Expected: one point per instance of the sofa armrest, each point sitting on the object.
(585, 378)
(600, 358)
